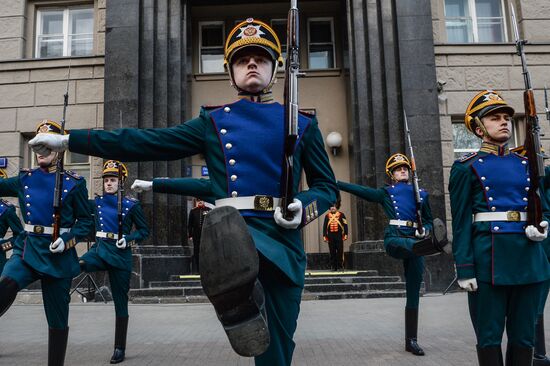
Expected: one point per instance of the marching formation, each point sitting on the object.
(252, 261)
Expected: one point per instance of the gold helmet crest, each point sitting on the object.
(484, 103)
(253, 33)
(48, 126)
(110, 169)
(396, 160)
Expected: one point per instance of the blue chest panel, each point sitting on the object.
(4, 207)
(252, 139)
(107, 212)
(38, 188)
(402, 196)
(505, 182)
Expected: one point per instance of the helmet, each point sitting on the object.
(483, 104)
(253, 33)
(48, 126)
(110, 169)
(396, 160)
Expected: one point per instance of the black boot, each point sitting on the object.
(411, 330)
(8, 292)
(229, 266)
(121, 329)
(539, 357)
(519, 356)
(435, 243)
(57, 346)
(489, 356)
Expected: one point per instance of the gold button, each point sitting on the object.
(233, 177)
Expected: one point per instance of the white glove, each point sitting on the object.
(420, 235)
(534, 234)
(57, 246)
(469, 284)
(296, 208)
(142, 185)
(45, 143)
(121, 243)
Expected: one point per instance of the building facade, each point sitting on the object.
(157, 61)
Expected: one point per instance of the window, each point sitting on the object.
(211, 40)
(64, 32)
(80, 164)
(473, 21)
(279, 26)
(320, 39)
(464, 141)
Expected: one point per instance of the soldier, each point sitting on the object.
(401, 235)
(194, 228)
(111, 253)
(8, 220)
(35, 256)
(335, 232)
(499, 259)
(252, 260)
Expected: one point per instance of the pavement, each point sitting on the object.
(330, 332)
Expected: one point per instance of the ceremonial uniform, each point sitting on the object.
(488, 192)
(245, 175)
(105, 255)
(335, 232)
(397, 200)
(8, 220)
(194, 228)
(32, 257)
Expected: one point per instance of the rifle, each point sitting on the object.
(546, 109)
(292, 69)
(59, 170)
(120, 191)
(532, 139)
(415, 180)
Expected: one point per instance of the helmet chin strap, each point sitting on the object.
(482, 127)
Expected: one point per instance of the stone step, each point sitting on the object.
(170, 300)
(309, 274)
(354, 287)
(309, 280)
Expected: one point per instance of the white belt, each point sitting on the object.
(258, 203)
(403, 223)
(39, 229)
(513, 216)
(106, 235)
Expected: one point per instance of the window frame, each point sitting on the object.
(472, 13)
(333, 41)
(67, 49)
(200, 25)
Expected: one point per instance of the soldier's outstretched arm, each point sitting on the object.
(364, 192)
(10, 187)
(142, 229)
(461, 210)
(131, 144)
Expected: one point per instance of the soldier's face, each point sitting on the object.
(45, 161)
(401, 173)
(252, 70)
(110, 184)
(333, 209)
(498, 126)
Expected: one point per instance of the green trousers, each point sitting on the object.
(401, 248)
(55, 291)
(496, 308)
(118, 278)
(282, 306)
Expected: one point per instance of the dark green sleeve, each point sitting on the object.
(84, 224)
(133, 144)
(10, 187)
(461, 210)
(13, 222)
(142, 229)
(364, 192)
(319, 175)
(200, 188)
(427, 218)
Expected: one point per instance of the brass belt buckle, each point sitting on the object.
(263, 203)
(513, 216)
(110, 235)
(38, 229)
(410, 223)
